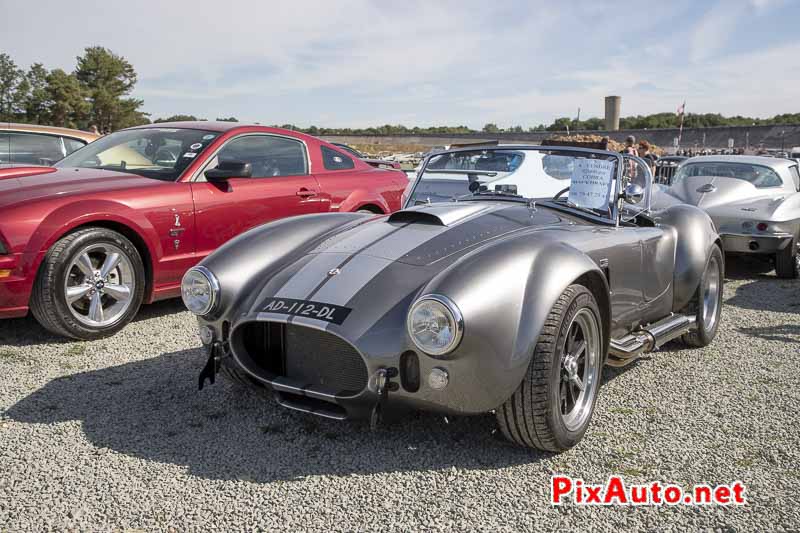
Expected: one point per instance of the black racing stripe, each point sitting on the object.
(285, 274)
(352, 256)
(464, 235)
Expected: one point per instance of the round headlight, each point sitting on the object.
(435, 325)
(199, 290)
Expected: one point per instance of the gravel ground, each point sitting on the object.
(113, 435)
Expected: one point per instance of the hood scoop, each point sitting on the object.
(439, 214)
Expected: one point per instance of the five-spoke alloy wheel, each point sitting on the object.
(99, 284)
(552, 407)
(580, 369)
(90, 284)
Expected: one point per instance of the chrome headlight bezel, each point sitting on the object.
(213, 287)
(453, 315)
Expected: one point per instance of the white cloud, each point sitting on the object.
(714, 29)
(361, 62)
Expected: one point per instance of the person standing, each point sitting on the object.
(649, 157)
(630, 146)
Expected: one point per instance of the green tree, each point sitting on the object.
(107, 79)
(37, 98)
(490, 128)
(560, 124)
(65, 103)
(11, 102)
(229, 119)
(177, 118)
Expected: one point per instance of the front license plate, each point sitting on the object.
(326, 312)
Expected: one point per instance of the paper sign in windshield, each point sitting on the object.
(591, 183)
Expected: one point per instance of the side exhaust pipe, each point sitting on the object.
(627, 349)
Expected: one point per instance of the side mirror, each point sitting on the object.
(633, 193)
(228, 169)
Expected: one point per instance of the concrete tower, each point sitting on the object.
(613, 106)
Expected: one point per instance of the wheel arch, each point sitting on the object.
(136, 239)
(361, 199)
(43, 240)
(506, 292)
(372, 208)
(696, 237)
(597, 283)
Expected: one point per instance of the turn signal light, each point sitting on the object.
(762, 226)
(5, 272)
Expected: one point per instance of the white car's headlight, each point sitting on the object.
(435, 324)
(199, 290)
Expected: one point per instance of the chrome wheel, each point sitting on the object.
(99, 285)
(580, 369)
(711, 288)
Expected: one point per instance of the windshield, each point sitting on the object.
(160, 153)
(582, 179)
(755, 174)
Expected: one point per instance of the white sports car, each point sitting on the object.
(753, 201)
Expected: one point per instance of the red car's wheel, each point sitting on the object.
(90, 284)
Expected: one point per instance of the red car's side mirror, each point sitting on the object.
(228, 169)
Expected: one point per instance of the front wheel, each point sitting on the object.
(90, 285)
(708, 301)
(553, 405)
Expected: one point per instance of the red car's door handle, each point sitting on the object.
(306, 193)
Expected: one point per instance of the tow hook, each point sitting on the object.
(382, 386)
(209, 372)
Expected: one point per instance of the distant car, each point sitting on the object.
(666, 167)
(754, 202)
(487, 297)
(38, 145)
(118, 222)
(377, 163)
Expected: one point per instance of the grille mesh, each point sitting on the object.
(323, 360)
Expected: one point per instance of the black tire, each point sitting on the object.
(787, 261)
(48, 301)
(532, 416)
(706, 330)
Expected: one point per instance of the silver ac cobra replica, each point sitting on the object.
(753, 201)
(481, 295)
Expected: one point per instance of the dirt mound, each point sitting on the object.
(613, 145)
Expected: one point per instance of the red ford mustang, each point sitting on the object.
(117, 223)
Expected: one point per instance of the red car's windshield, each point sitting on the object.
(159, 153)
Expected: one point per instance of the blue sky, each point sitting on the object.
(358, 63)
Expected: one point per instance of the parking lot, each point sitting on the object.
(113, 434)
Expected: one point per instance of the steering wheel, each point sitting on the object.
(559, 193)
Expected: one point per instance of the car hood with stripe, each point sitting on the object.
(380, 266)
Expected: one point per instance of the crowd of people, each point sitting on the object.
(688, 152)
(643, 150)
